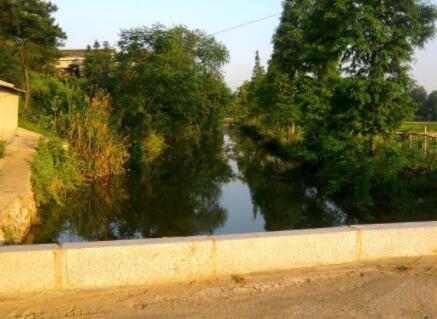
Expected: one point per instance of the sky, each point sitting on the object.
(87, 20)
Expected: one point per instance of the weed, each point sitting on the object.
(54, 172)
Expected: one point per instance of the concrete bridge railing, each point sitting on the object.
(151, 261)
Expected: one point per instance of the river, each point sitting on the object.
(223, 184)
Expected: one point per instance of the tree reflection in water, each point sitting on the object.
(289, 198)
(183, 194)
(179, 196)
(278, 192)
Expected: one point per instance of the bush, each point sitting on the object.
(102, 152)
(59, 107)
(54, 173)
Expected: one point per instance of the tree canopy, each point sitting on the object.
(162, 82)
(29, 37)
(431, 105)
(344, 66)
(420, 97)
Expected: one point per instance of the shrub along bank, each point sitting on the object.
(80, 141)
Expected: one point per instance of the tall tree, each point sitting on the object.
(351, 59)
(431, 105)
(258, 70)
(169, 79)
(29, 31)
(252, 88)
(99, 66)
(420, 97)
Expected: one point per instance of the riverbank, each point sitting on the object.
(398, 288)
(17, 205)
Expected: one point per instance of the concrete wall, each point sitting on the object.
(141, 262)
(8, 114)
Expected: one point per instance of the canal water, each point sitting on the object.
(222, 184)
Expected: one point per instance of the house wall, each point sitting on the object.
(8, 114)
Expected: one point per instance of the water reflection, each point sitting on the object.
(180, 196)
(278, 193)
(212, 185)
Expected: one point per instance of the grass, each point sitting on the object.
(2, 149)
(419, 126)
(55, 173)
(28, 124)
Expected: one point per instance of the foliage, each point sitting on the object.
(54, 172)
(393, 184)
(162, 83)
(247, 94)
(337, 87)
(420, 96)
(179, 195)
(29, 37)
(10, 69)
(98, 68)
(60, 107)
(101, 150)
(427, 104)
(361, 70)
(339, 72)
(2, 148)
(152, 147)
(431, 105)
(419, 126)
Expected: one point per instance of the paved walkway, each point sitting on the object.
(17, 206)
(404, 288)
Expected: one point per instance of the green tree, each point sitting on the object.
(258, 72)
(10, 69)
(242, 96)
(431, 105)
(99, 66)
(275, 98)
(29, 34)
(350, 62)
(258, 76)
(420, 97)
(169, 81)
(248, 92)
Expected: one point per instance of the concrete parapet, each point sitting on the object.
(136, 262)
(284, 250)
(397, 240)
(150, 261)
(27, 268)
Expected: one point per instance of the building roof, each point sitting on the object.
(10, 87)
(73, 52)
(67, 53)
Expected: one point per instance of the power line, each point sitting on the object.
(247, 23)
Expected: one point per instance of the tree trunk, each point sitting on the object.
(26, 78)
(27, 94)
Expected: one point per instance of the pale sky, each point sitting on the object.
(87, 20)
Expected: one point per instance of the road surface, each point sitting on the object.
(404, 288)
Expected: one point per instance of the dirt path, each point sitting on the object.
(404, 288)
